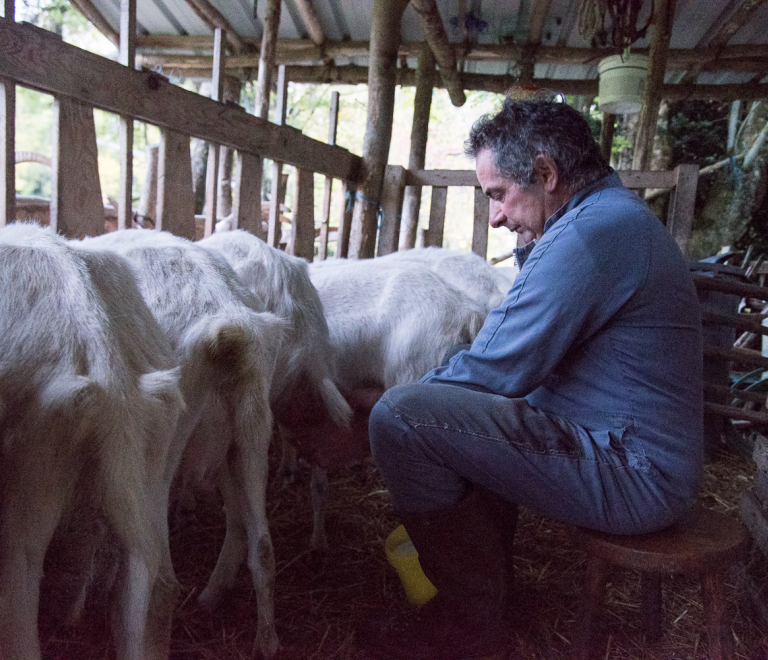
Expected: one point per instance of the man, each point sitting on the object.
(581, 397)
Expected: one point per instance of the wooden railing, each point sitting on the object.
(81, 81)
(681, 182)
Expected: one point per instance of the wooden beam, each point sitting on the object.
(538, 17)
(231, 90)
(436, 229)
(333, 122)
(246, 204)
(127, 58)
(480, 229)
(652, 92)
(391, 207)
(77, 209)
(267, 58)
(434, 31)
(422, 104)
(681, 205)
(32, 58)
(212, 175)
(172, 51)
(345, 220)
(273, 224)
(385, 37)
(311, 21)
(607, 131)
(724, 29)
(303, 226)
(175, 210)
(7, 150)
(214, 19)
(88, 9)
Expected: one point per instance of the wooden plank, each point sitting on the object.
(311, 21)
(422, 104)
(740, 321)
(127, 57)
(681, 205)
(345, 220)
(434, 233)
(663, 19)
(726, 393)
(267, 58)
(246, 206)
(434, 32)
(385, 38)
(214, 153)
(214, 19)
(648, 178)
(733, 412)
(392, 207)
(148, 199)
(754, 517)
(88, 9)
(607, 131)
(77, 209)
(7, 151)
(175, 198)
(736, 355)
(480, 230)
(333, 122)
(52, 66)
(441, 178)
(729, 286)
(281, 109)
(303, 228)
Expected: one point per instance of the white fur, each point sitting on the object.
(91, 402)
(227, 348)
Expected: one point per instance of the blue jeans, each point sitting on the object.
(432, 441)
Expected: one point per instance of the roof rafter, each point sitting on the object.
(213, 18)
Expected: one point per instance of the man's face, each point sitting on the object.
(512, 206)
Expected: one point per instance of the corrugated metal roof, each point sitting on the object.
(488, 22)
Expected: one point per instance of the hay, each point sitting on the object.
(320, 598)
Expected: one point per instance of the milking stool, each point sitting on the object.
(704, 542)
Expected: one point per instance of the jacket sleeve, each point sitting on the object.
(570, 286)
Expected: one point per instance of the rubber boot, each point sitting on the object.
(460, 551)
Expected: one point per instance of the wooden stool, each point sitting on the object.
(704, 542)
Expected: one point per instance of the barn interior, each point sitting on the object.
(695, 49)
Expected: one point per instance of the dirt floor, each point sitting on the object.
(319, 598)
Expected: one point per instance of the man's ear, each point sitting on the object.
(546, 172)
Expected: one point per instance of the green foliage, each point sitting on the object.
(698, 132)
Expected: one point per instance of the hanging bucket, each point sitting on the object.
(403, 556)
(622, 81)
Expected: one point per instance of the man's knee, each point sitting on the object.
(387, 430)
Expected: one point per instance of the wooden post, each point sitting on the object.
(267, 58)
(480, 229)
(231, 88)
(127, 58)
(77, 208)
(434, 32)
(385, 39)
(273, 226)
(175, 210)
(322, 252)
(345, 221)
(8, 140)
(303, 227)
(607, 132)
(148, 199)
(217, 91)
(434, 233)
(657, 66)
(391, 206)
(422, 104)
(246, 204)
(681, 205)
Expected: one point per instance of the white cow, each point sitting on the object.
(89, 401)
(227, 348)
(307, 405)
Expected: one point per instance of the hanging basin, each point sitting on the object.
(622, 81)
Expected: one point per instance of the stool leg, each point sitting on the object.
(650, 604)
(594, 587)
(713, 595)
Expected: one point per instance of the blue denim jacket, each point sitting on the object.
(602, 327)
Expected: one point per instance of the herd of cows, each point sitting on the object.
(137, 361)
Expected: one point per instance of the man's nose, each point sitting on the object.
(496, 214)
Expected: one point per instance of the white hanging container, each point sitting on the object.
(621, 83)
